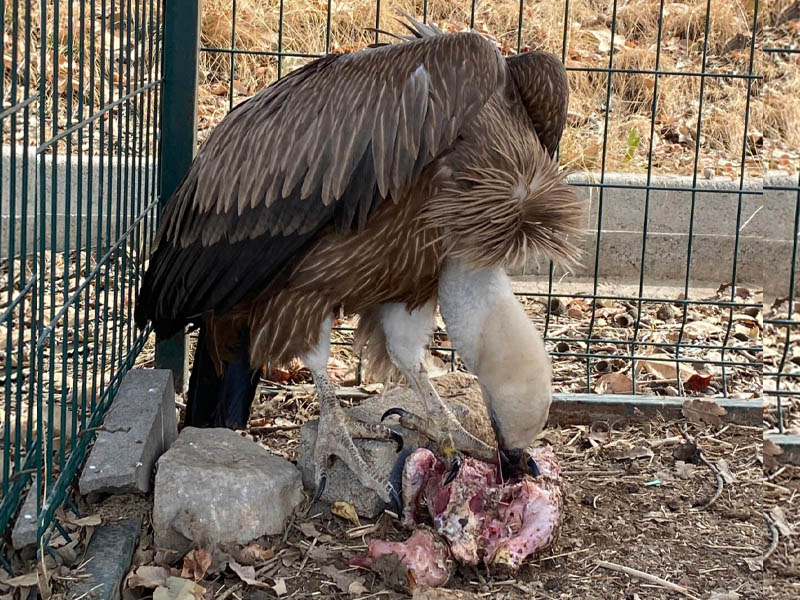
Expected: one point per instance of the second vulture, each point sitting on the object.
(373, 183)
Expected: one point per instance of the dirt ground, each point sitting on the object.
(644, 513)
(636, 495)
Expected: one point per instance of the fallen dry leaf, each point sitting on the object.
(21, 581)
(575, 313)
(422, 592)
(683, 469)
(196, 563)
(343, 579)
(703, 411)
(89, 521)
(771, 450)
(697, 382)
(247, 573)
(664, 369)
(280, 587)
(724, 471)
(148, 577)
(347, 511)
(779, 518)
(254, 553)
(309, 529)
(357, 588)
(179, 589)
(632, 453)
(724, 596)
(614, 383)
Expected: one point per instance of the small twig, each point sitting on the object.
(774, 536)
(231, 590)
(563, 554)
(770, 478)
(308, 553)
(646, 577)
(664, 442)
(273, 428)
(720, 481)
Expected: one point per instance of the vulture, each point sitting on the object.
(375, 183)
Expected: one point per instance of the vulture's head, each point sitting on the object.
(514, 374)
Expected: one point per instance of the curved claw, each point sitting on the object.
(534, 468)
(453, 470)
(396, 503)
(398, 439)
(320, 489)
(400, 412)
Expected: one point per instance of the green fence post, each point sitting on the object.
(178, 136)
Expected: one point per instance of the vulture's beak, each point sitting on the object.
(513, 461)
(516, 461)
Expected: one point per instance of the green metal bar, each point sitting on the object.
(178, 135)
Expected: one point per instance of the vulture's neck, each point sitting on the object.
(470, 300)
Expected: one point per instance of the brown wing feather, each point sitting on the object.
(542, 82)
(325, 145)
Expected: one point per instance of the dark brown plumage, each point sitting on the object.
(280, 195)
(345, 187)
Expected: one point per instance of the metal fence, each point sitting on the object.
(84, 132)
(604, 329)
(80, 121)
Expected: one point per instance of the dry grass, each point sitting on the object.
(774, 109)
(588, 46)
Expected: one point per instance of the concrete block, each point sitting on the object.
(87, 182)
(665, 257)
(23, 535)
(107, 560)
(669, 203)
(585, 409)
(138, 428)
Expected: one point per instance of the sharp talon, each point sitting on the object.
(453, 470)
(398, 439)
(394, 411)
(533, 467)
(320, 489)
(396, 503)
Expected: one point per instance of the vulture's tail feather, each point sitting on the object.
(221, 400)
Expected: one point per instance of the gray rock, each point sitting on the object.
(342, 484)
(216, 487)
(138, 428)
(24, 534)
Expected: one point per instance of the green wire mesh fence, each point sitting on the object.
(80, 123)
(673, 95)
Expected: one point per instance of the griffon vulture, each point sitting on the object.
(373, 183)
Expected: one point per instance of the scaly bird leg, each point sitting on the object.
(407, 334)
(336, 430)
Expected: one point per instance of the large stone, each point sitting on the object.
(216, 487)
(138, 428)
(460, 391)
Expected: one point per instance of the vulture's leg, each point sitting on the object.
(336, 430)
(407, 335)
(221, 400)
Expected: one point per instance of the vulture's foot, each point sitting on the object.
(443, 428)
(335, 435)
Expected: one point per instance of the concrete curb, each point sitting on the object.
(764, 208)
(107, 560)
